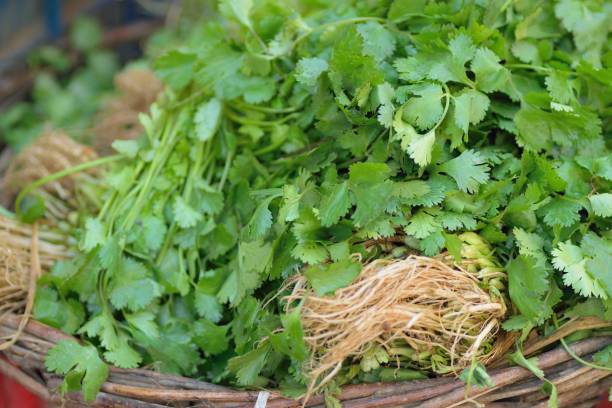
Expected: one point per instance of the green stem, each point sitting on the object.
(447, 94)
(246, 121)
(64, 173)
(154, 169)
(226, 168)
(264, 109)
(574, 355)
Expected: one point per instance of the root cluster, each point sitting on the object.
(432, 306)
(53, 151)
(25, 253)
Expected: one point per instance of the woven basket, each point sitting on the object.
(516, 387)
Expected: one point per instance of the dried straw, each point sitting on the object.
(25, 253)
(51, 152)
(118, 119)
(430, 305)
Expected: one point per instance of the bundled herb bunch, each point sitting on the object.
(293, 135)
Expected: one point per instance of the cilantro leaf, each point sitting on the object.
(469, 170)
(601, 204)
(570, 259)
(335, 204)
(94, 234)
(470, 108)
(175, 68)
(81, 364)
(354, 67)
(326, 279)
(490, 74)
(561, 212)
(308, 70)
(184, 214)
(260, 222)
(425, 109)
(133, 286)
(422, 224)
(207, 119)
(248, 366)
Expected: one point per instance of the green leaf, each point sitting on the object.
(561, 212)
(326, 279)
(289, 211)
(207, 119)
(175, 68)
(66, 315)
(123, 356)
(421, 224)
(385, 93)
(248, 366)
(153, 231)
(368, 182)
(490, 74)
(208, 306)
(110, 254)
(335, 204)
(353, 66)
(308, 70)
(462, 47)
(601, 204)
(94, 234)
(528, 283)
(469, 170)
(260, 222)
(184, 214)
(378, 42)
(425, 109)
(133, 286)
(211, 338)
(170, 274)
(421, 147)
(372, 358)
(529, 363)
(128, 148)
(143, 321)
(310, 253)
(83, 363)
(470, 108)
(242, 10)
(530, 244)
(604, 357)
(570, 259)
(560, 87)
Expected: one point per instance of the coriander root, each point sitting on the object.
(432, 306)
(51, 152)
(26, 251)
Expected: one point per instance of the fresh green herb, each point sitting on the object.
(291, 138)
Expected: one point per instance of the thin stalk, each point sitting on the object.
(64, 173)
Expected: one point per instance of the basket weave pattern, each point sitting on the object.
(515, 387)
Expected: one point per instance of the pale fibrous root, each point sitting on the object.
(26, 251)
(53, 151)
(446, 314)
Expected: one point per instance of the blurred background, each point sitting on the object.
(26, 25)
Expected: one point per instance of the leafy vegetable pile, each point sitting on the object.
(291, 136)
